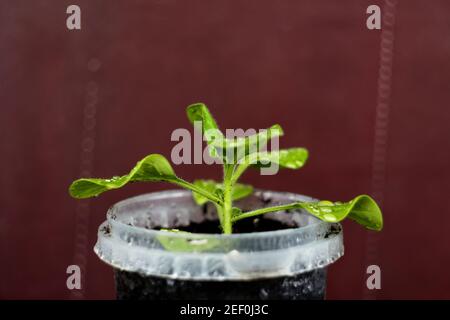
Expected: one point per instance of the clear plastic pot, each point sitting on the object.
(156, 264)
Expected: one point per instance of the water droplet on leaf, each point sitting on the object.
(330, 217)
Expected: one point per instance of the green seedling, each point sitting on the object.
(236, 156)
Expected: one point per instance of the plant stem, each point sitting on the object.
(219, 212)
(265, 210)
(240, 168)
(227, 200)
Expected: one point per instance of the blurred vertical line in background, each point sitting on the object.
(81, 237)
(381, 132)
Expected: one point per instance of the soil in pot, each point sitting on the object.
(305, 286)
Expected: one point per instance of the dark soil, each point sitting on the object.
(305, 286)
(242, 226)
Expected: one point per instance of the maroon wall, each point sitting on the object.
(99, 99)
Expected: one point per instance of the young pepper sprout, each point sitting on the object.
(236, 155)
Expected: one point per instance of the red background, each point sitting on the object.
(118, 87)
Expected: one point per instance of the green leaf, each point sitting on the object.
(235, 212)
(293, 158)
(208, 185)
(199, 112)
(229, 149)
(234, 149)
(239, 190)
(219, 193)
(261, 138)
(192, 243)
(154, 167)
(362, 209)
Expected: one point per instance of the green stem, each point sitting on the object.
(219, 213)
(257, 212)
(227, 200)
(239, 171)
(243, 165)
(185, 184)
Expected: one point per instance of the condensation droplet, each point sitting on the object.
(330, 217)
(325, 203)
(263, 294)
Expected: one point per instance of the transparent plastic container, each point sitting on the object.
(156, 264)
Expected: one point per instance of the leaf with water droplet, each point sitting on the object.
(292, 158)
(362, 209)
(324, 203)
(154, 167)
